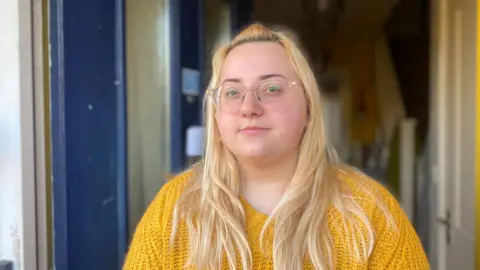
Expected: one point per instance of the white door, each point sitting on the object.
(454, 69)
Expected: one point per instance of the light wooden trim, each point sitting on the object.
(27, 126)
(477, 146)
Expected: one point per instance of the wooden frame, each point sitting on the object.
(42, 137)
(477, 146)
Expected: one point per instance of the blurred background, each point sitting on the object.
(101, 103)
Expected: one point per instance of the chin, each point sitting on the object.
(253, 153)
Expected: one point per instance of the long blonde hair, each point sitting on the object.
(211, 206)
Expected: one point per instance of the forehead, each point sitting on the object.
(248, 62)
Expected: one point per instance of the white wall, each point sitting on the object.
(17, 208)
(148, 96)
(10, 134)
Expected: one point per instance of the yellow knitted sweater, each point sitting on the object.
(395, 248)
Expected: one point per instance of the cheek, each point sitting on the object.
(290, 128)
(291, 120)
(225, 124)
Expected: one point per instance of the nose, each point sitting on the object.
(250, 105)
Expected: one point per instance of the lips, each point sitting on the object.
(253, 130)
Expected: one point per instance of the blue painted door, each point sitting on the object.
(88, 133)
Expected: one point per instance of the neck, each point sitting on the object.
(264, 183)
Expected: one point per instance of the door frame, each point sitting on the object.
(439, 41)
(41, 103)
(175, 86)
(57, 133)
(28, 229)
(240, 15)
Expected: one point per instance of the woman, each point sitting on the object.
(270, 193)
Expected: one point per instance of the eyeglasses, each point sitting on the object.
(229, 96)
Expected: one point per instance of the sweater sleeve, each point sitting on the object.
(397, 243)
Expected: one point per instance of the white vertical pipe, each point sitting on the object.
(194, 143)
(407, 165)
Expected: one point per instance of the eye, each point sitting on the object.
(272, 88)
(231, 92)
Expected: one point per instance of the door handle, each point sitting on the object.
(447, 222)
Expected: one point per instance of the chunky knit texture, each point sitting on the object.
(395, 248)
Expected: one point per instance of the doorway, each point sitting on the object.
(454, 105)
(376, 78)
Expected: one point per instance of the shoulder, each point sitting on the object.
(172, 190)
(146, 248)
(370, 194)
(396, 240)
(160, 210)
(177, 184)
(162, 206)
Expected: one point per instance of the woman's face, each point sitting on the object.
(268, 123)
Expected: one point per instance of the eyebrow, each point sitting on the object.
(261, 78)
